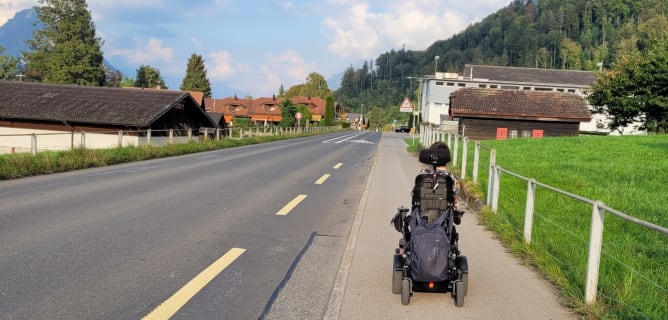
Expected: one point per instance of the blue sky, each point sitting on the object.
(255, 46)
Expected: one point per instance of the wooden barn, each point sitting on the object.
(508, 114)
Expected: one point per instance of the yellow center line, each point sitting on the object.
(168, 308)
(338, 165)
(322, 179)
(291, 205)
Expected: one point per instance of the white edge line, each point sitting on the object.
(336, 297)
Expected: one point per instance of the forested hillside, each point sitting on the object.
(559, 34)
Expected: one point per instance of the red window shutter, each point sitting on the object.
(501, 133)
(537, 133)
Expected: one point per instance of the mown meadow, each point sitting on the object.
(627, 173)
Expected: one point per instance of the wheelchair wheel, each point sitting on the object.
(397, 276)
(405, 291)
(459, 293)
(465, 281)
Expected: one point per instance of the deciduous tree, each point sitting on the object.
(636, 87)
(9, 66)
(149, 77)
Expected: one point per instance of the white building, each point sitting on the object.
(435, 102)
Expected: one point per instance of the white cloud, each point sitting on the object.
(223, 66)
(146, 53)
(8, 8)
(287, 68)
(355, 35)
(292, 66)
(364, 29)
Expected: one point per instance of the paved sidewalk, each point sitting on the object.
(500, 287)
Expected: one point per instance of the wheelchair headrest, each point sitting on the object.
(436, 157)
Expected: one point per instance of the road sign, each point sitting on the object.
(406, 106)
(298, 115)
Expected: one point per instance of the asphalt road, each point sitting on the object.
(215, 235)
(295, 229)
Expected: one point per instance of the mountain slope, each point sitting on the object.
(16, 31)
(550, 34)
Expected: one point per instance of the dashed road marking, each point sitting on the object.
(338, 165)
(168, 308)
(291, 205)
(322, 179)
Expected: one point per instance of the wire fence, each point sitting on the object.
(627, 269)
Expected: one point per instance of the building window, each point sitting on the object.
(543, 89)
(451, 84)
(571, 90)
(560, 90)
(510, 87)
(439, 83)
(512, 134)
(482, 86)
(526, 133)
(493, 86)
(527, 88)
(461, 84)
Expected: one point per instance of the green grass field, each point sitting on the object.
(13, 166)
(629, 174)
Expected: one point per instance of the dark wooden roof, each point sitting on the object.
(89, 105)
(529, 75)
(519, 104)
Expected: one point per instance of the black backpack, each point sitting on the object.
(429, 247)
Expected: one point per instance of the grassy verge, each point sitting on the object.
(626, 173)
(13, 166)
(413, 144)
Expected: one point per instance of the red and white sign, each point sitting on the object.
(406, 106)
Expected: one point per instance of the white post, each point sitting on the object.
(190, 134)
(120, 138)
(476, 162)
(490, 176)
(83, 140)
(148, 136)
(528, 211)
(206, 134)
(464, 156)
(495, 191)
(33, 144)
(594, 258)
(171, 136)
(456, 149)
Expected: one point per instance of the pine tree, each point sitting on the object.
(329, 112)
(195, 78)
(288, 114)
(149, 77)
(66, 49)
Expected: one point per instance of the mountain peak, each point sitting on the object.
(17, 30)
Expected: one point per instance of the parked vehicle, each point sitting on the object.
(402, 129)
